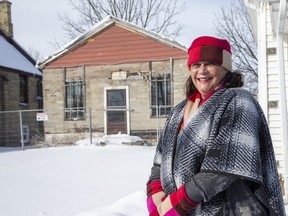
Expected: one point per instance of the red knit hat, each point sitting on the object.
(210, 49)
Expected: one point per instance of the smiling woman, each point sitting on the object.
(209, 62)
(215, 154)
(206, 76)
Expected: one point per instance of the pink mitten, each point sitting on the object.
(176, 204)
(155, 195)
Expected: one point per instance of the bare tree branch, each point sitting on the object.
(232, 23)
(156, 15)
(35, 54)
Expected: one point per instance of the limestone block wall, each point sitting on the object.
(5, 18)
(99, 78)
(10, 101)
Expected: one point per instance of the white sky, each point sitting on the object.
(36, 22)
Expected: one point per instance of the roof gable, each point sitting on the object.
(114, 41)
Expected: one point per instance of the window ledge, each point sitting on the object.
(162, 116)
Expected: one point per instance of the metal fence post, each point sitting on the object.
(90, 126)
(21, 130)
(158, 119)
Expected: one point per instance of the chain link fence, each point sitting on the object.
(19, 128)
(43, 128)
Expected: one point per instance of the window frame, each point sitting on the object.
(75, 108)
(160, 99)
(23, 89)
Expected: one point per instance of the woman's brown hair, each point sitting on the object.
(231, 80)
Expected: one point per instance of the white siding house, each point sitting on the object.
(270, 26)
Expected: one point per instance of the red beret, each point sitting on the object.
(210, 49)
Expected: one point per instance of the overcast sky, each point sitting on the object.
(36, 23)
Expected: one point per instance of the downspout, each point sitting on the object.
(172, 80)
(283, 102)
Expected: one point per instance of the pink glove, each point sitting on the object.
(176, 204)
(155, 195)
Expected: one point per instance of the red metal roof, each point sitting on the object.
(116, 44)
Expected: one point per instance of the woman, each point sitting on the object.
(215, 154)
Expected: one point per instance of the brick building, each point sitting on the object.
(20, 82)
(128, 76)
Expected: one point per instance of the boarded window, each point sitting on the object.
(23, 89)
(74, 100)
(160, 95)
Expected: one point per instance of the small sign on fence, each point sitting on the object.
(42, 116)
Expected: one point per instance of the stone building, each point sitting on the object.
(20, 83)
(128, 76)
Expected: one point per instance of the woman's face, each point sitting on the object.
(206, 76)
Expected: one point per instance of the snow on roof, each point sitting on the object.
(10, 57)
(107, 21)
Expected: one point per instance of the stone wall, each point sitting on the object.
(97, 78)
(10, 101)
(5, 18)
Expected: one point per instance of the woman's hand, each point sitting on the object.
(176, 204)
(155, 195)
(154, 201)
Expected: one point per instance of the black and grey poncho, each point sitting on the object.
(229, 135)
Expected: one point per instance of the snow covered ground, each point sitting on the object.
(79, 180)
(82, 180)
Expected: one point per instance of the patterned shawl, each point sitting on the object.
(228, 134)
